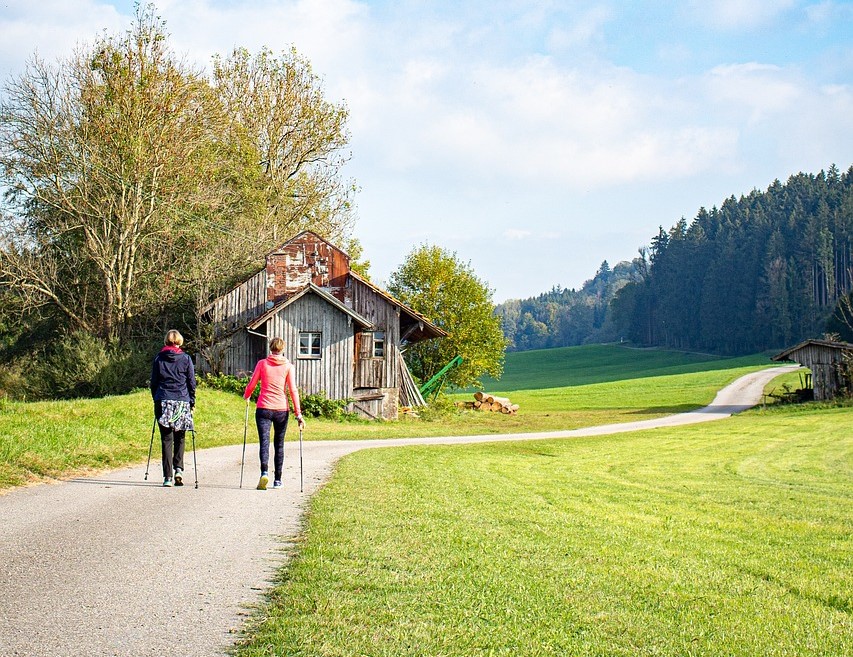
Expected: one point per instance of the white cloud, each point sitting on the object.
(543, 124)
(759, 88)
(51, 29)
(509, 113)
(581, 31)
(328, 32)
(829, 13)
(739, 14)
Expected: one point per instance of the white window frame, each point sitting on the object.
(309, 354)
(382, 342)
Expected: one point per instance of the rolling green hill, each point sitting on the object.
(556, 389)
(575, 366)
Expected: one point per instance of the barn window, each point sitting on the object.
(379, 344)
(309, 344)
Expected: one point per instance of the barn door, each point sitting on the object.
(366, 369)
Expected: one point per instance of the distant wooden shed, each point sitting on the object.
(827, 361)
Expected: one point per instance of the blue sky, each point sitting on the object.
(533, 139)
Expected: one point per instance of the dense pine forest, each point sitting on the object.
(760, 272)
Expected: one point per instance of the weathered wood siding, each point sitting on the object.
(229, 313)
(332, 372)
(377, 372)
(242, 351)
(242, 304)
(347, 367)
(382, 403)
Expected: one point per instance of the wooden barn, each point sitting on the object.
(828, 362)
(344, 335)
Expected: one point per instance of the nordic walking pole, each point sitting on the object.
(195, 464)
(300, 459)
(150, 447)
(245, 429)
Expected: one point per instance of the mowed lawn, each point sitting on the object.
(55, 439)
(727, 538)
(600, 363)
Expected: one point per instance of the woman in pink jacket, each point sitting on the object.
(277, 377)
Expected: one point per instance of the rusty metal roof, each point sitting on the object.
(829, 344)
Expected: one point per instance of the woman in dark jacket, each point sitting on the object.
(173, 390)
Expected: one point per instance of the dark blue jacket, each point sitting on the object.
(173, 376)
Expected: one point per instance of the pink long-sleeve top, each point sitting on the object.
(276, 375)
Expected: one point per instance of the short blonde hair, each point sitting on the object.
(174, 339)
(276, 345)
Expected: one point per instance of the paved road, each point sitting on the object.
(114, 566)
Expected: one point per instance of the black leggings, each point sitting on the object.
(265, 418)
(172, 443)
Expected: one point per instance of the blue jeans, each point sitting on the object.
(265, 418)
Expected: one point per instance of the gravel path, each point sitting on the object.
(117, 566)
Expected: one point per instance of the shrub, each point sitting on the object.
(226, 383)
(438, 408)
(318, 405)
(313, 405)
(13, 382)
(76, 365)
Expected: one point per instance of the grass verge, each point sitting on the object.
(727, 538)
(57, 439)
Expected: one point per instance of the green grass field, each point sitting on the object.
(727, 538)
(56, 439)
(574, 366)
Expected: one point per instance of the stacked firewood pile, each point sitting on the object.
(483, 401)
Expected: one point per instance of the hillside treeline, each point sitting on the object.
(760, 272)
(568, 317)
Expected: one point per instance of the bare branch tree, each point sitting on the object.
(99, 154)
(133, 182)
(277, 109)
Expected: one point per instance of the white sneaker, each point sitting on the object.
(277, 484)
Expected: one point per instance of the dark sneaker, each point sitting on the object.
(263, 481)
(179, 477)
(277, 484)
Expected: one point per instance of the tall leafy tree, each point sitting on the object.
(447, 291)
(136, 184)
(102, 156)
(294, 138)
